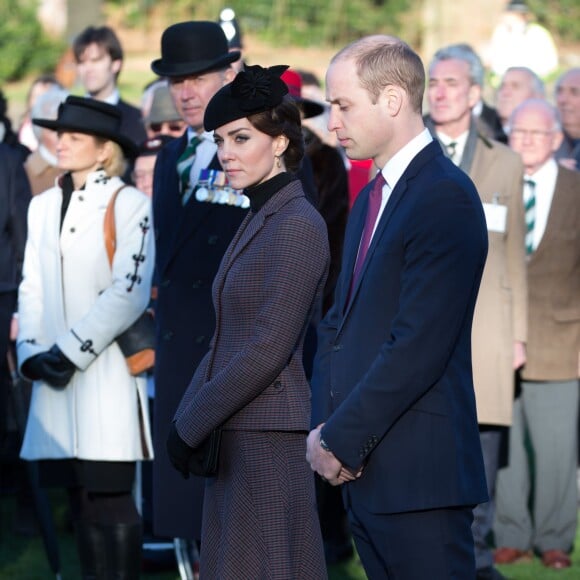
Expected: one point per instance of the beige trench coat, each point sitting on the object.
(501, 310)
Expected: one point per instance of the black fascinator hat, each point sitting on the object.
(254, 90)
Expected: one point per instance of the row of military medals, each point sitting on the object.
(213, 187)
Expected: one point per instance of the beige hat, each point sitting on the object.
(162, 107)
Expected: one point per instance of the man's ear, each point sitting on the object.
(116, 66)
(393, 96)
(229, 75)
(474, 95)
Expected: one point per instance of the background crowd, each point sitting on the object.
(520, 145)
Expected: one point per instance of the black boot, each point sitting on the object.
(91, 548)
(123, 544)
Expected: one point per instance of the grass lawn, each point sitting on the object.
(23, 558)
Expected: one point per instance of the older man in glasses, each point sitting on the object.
(546, 412)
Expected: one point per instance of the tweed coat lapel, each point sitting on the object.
(252, 224)
(395, 198)
(559, 210)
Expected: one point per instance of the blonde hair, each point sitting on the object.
(383, 60)
(115, 165)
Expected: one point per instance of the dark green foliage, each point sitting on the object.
(560, 17)
(24, 48)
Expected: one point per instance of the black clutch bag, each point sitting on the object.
(204, 459)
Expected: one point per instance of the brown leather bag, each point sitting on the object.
(138, 341)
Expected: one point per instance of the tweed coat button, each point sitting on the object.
(277, 384)
(168, 335)
(212, 240)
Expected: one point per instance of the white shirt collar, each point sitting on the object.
(459, 141)
(399, 162)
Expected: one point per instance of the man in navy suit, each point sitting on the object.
(394, 356)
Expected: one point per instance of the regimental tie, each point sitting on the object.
(375, 199)
(451, 149)
(184, 165)
(530, 207)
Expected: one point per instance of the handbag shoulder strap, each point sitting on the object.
(109, 228)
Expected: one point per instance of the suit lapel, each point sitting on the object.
(252, 224)
(395, 198)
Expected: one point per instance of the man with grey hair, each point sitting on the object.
(518, 84)
(568, 103)
(499, 324)
(41, 165)
(545, 415)
(486, 117)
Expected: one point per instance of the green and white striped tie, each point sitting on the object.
(530, 207)
(184, 165)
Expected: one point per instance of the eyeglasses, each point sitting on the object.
(158, 127)
(518, 133)
(141, 175)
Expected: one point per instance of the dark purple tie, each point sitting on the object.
(375, 198)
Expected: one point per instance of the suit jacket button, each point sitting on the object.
(199, 339)
(165, 283)
(212, 240)
(196, 284)
(337, 347)
(168, 335)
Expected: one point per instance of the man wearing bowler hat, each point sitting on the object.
(192, 232)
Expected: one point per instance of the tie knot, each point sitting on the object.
(530, 183)
(451, 148)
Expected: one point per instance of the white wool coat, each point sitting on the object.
(70, 296)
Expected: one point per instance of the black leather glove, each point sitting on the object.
(61, 369)
(51, 366)
(178, 451)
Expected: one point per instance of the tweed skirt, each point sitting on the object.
(259, 515)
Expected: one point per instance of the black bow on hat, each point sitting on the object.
(195, 47)
(91, 117)
(254, 90)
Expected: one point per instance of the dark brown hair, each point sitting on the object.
(283, 119)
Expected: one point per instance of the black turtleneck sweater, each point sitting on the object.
(261, 193)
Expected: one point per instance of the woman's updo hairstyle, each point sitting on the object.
(284, 119)
(260, 95)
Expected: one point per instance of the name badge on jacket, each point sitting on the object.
(495, 217)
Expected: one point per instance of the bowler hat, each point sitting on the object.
(189, 48)
(294, 81)
(254, 90)
(92, 117)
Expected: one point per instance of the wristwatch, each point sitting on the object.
(324, 445)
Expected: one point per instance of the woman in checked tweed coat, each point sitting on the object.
(259, 516)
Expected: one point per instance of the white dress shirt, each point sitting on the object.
(398, 164)
(545, 180)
